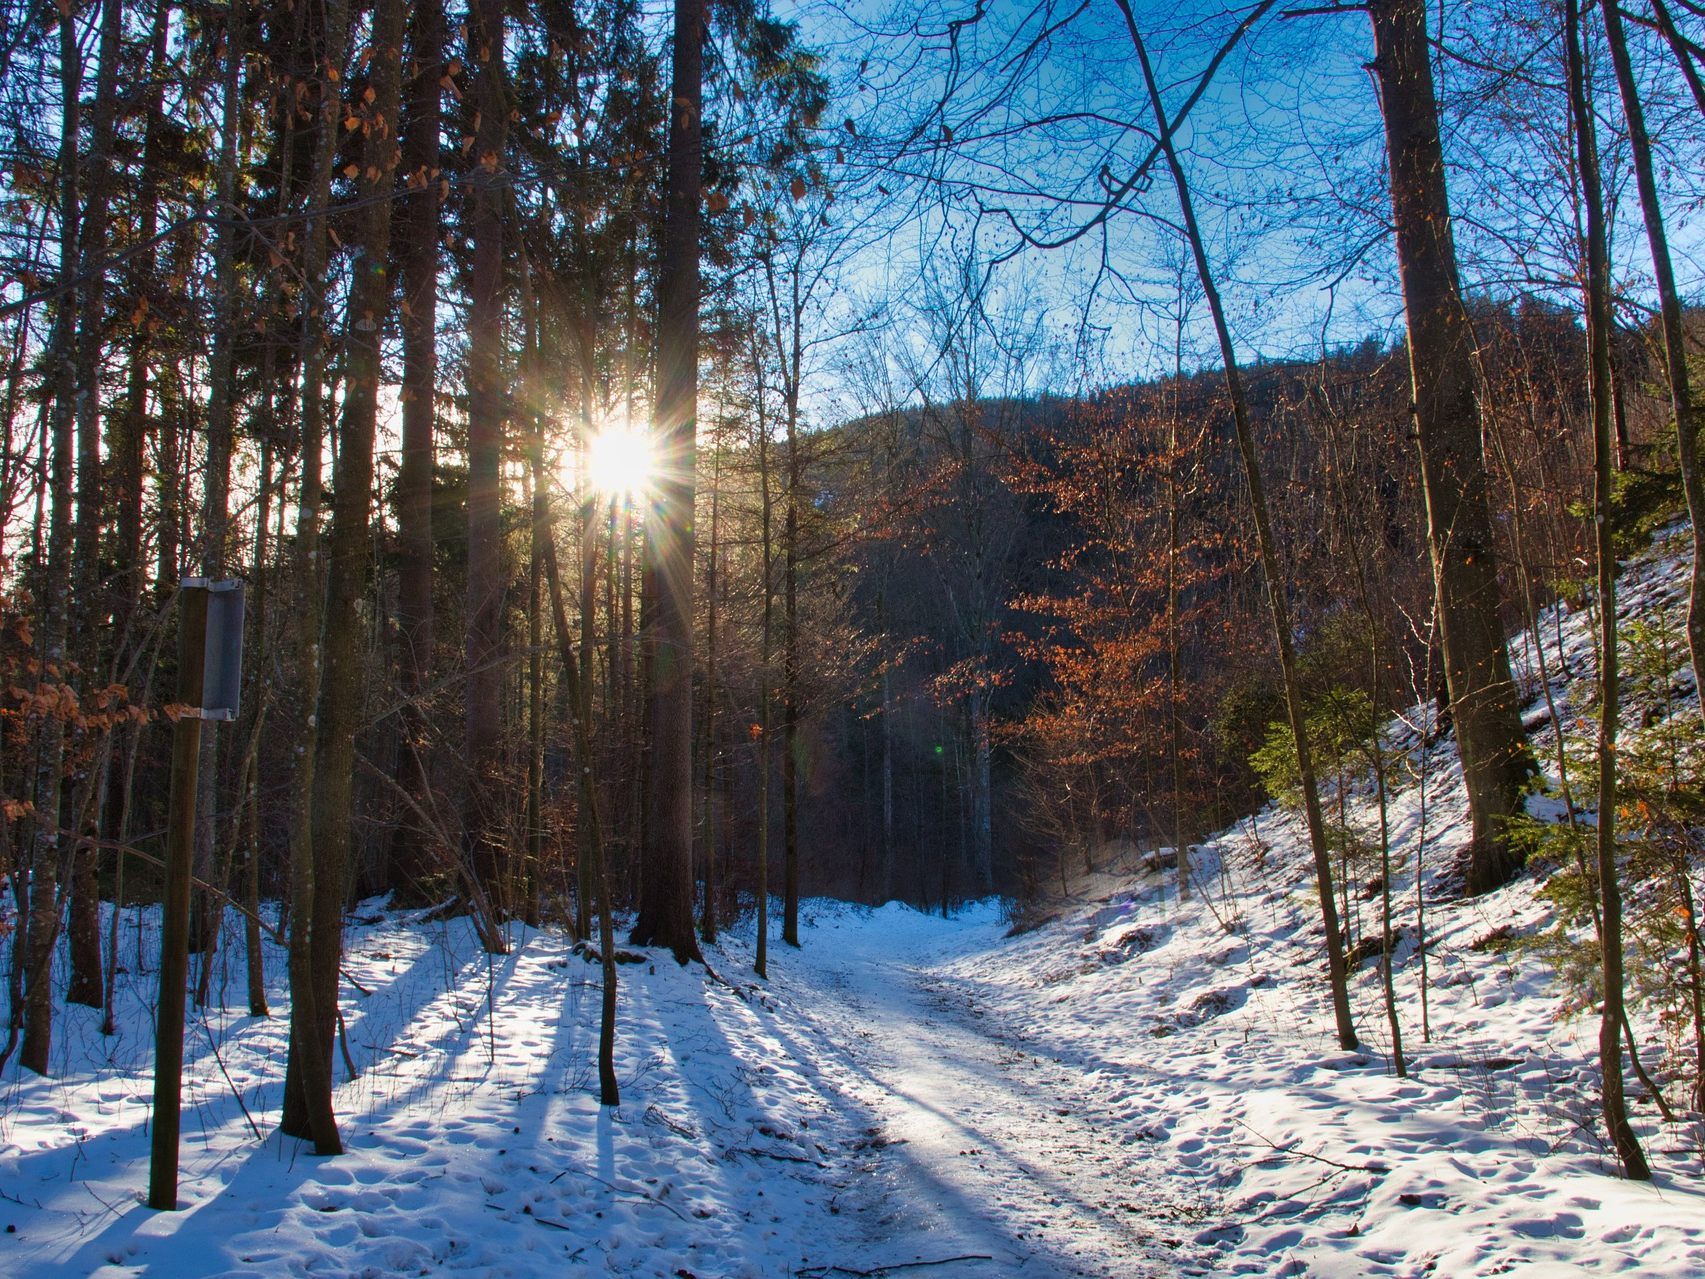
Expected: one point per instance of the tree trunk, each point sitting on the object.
(84, 932)
(885, 859)
(575, 673)
(128, 427)
(45, 906)
(1442, 360)
(1278, 606)
(307, 1109)
(260, 695)
(1675, 340)
(483, 837)
(790, 671)
(982, 797)
(761, 739)
(531, 879)
(1613, 1102)
(666, 898)
(585, 855)
(707, 907)
(216, 475)
(1683, 53)
(419, 218)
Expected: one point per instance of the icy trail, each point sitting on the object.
(981, 1149)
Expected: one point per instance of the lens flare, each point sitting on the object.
(620, 461)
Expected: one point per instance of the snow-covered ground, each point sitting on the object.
(1140, 1086)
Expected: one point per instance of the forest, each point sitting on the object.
(886, 553)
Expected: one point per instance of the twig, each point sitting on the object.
(214, 1045)
(775, 1154)
(622, 1190)
(817, 1272)
(1319, 1159)
(343, 1043)
(348, 977)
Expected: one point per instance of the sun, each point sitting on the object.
(620, 460)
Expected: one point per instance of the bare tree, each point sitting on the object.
(1484, 705)
(1613, 1103)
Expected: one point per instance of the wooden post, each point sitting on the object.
(174, 937)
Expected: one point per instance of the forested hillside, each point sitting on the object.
(597, 482)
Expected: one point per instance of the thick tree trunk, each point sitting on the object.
(483, 832)
(1442, 359)
(260, 696)
(1614, 1105)
(307, 1109)
(340, 704)
(419, 218)
(666, 897)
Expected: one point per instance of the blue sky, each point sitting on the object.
(1283, 152)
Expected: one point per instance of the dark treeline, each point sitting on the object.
(487, 345)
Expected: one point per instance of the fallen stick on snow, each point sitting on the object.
(818, 1272)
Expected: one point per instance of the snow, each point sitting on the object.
(1139, 1086)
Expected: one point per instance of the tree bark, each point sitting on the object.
(216, 475)
(575, 673)
(666, 897)
(84, 932)
(307, 1108)
(1675, 338)
(46, 908)
(1442, 360)
(1613, 1103)
(419, 223)
(790, 668)
(483, 836)
(707, 907)
(341, 708)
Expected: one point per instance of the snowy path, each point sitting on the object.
(983, 1148)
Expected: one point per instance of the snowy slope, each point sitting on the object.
(1140, 1087)
(1204, 1028)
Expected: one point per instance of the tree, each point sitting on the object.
(307, 1110)
(47, 847)
(419, 220)
(1278, 606)
(1613, 1104)
(1674, 336)
(1442, 355)
(666, 900)
(483, 829)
